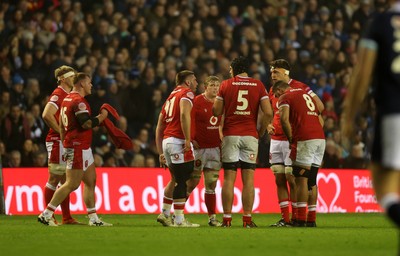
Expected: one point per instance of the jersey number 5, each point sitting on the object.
(243, 100)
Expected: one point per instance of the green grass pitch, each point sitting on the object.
(336, 234)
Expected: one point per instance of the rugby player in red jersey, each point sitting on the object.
(56, 165)
(301, 124)
(240, 99)
(281, 164)
(206, 142)
(174, 145)
(76, 126)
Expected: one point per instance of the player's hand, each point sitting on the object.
(163, 162)
(104, 112)
(271, 129)
(195, 144)
(188, 146)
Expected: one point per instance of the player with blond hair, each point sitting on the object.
(56, 165)
(206, 142)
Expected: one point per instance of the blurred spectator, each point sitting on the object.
(138, 161)
(14, 159)
(98, 160)
(17, 92)
(121, 158)
(332, 156)
(3, 155)
(356, 160)
(36, 124)
(150, 161)
(5, 102)
(40, 158)
(5, 78)
(15, 129)
(109, 160)
(27, 154)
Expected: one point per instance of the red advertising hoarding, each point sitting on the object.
(140, 191)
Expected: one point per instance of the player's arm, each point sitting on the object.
(88, 122)
(284, 117)
(266, 117)
(221, 127)
(218, 107)
(159, 137)
(62, 129)
(185, 107)
(48, 116)
(359, 83)
(318, 101)
(270, 126)
(320, 107)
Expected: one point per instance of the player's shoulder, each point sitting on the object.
(227, 82)
(297, 84)
(187, 93)
(199, 98)
(59, 91)
(74, 97)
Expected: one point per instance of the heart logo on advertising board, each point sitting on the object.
(332, 188)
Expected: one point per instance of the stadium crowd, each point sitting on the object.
(133, 50)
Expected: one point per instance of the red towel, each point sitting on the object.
(119, 138)
(110, 110)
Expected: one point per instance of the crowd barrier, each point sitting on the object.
(140, 191)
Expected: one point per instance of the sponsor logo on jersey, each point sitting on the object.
(176, 156)
(54, 98)
(82, 106)
(190, 95)
(244, 83)
(252, 156)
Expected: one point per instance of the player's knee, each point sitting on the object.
(300, 172)
(180, 190)
(288, 170)
(230, 166)
(210, 179)
(278, 168)
(57, 169)
(183, 172)
(311, 183)
(312, 179)
(73, 185)
(245, 165)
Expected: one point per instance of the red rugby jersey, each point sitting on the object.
(56, 98)
(303, 115)
(75, 135)
(279, 135)
(241, 96)
(205, 126)
(171, 111)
